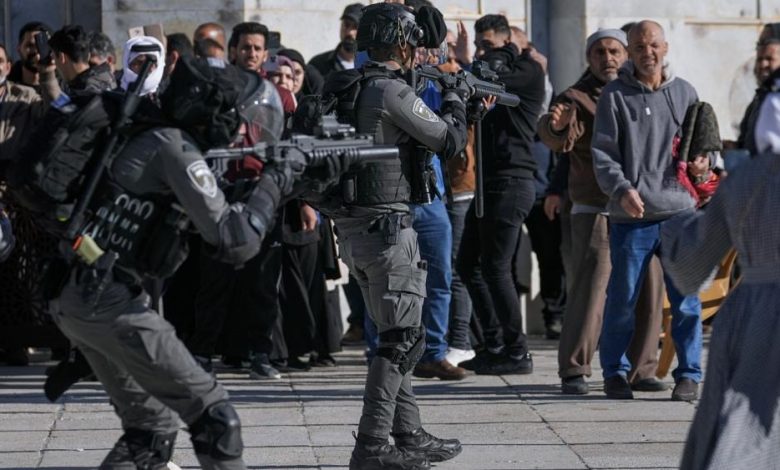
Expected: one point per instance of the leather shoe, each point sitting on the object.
(617, 388)
(420, 442)
(685, 390)
(650, 384)
(575, 385)
(371, 453)
(440, 369)
(353, 336)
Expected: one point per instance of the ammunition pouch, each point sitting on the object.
(148, 234)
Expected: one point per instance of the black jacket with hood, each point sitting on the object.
(508, 133)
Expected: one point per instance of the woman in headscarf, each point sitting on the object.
(307, 80)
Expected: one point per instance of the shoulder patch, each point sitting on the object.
(202, 177)
(422, 111)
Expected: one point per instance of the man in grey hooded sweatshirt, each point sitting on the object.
(635, 136)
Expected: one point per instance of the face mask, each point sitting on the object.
(150, 84)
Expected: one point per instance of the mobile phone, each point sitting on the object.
(274, 40)
(42, 44)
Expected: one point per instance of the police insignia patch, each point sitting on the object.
(424, 112)
(202, 178)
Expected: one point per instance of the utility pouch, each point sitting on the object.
(423, 176)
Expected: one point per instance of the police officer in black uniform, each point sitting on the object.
(374, 225)
(154, 187)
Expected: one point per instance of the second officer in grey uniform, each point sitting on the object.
(374, 226)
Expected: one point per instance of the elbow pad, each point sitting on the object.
(242, 229)
(454, 114)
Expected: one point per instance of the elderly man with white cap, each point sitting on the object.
(568, 129)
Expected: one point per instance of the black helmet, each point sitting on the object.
(388, 24)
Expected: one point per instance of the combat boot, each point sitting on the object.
(372, 453)
(435, 449)
(138, 449)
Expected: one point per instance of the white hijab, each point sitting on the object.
(128, 76)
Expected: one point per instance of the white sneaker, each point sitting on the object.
(455, 356)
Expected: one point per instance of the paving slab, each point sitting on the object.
(16, 441)
(10, 422)
(19, 459)
(484, 412)
(621, 432)
(630, 455)
(602, 409)
(306, 420)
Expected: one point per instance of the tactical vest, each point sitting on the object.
(373, 183)
(147, 232)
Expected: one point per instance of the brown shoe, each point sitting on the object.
(441, 369)
(353, 336)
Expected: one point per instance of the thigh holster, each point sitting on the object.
(217, 433)
(410, 346)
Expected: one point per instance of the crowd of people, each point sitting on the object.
(599, 174)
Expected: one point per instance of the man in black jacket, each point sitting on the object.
(71, 54)
(343, 56)
(484, 261)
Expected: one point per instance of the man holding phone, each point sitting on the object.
(25, 70)
(68, 50)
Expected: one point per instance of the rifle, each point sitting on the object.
(481, 82)
(331, 138)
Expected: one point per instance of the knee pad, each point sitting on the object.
(140, 449)
(217, 433)
(410, 347)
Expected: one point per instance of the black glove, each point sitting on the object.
(328, 170)
(287, 170)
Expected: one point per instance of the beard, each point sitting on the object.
(349, 45)
(30, 63)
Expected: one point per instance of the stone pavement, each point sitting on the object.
(305, 421)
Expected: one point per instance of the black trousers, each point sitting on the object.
(242, 302)
(545, 237)
(485, 261)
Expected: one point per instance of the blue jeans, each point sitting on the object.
(434, 235)
(631, 247)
